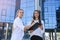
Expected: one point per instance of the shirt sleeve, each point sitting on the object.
(43, 26)
(20, 24)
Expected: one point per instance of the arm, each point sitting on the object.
(42, 27)
(22, 27)
(29, 26)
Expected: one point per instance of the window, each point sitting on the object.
(3, 11)
(50, 7)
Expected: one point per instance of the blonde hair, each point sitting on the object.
(18, 12)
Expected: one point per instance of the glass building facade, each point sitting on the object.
(7, 14)
(28, 7)
(50, 7)
(7, 10)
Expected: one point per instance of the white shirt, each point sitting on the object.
(18, 29)
(38, 31)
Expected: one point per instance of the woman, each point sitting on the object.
(38, 33)
(18, 27)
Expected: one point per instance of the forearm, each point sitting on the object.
(42, 28)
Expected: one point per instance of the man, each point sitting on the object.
(18, 27)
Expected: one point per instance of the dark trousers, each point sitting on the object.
(34, 37)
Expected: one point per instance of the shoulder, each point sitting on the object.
(17, 20)
(42, 21)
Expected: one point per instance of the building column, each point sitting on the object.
(6, 36)
(39, 6)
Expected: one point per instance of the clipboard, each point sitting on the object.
(35, 26)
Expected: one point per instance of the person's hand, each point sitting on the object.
(33, 23)
(41, 27)
(31, 31)
(29, 26)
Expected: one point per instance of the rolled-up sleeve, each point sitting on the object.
(20, 24)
